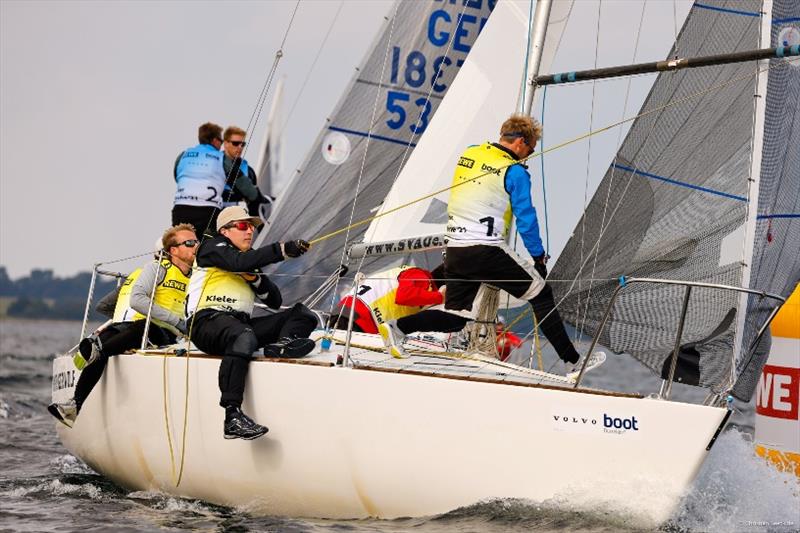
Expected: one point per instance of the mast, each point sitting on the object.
(748, 248)
(538, 33)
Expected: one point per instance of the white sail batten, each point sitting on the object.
(480, 98)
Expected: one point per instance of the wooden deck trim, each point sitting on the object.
(597, 392)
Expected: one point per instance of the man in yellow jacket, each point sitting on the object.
(170, 277)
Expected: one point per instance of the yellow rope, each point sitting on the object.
(166, 415)
(536, 343)
(550, 149)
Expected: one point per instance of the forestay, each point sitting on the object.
(674, 203)
(419, 40)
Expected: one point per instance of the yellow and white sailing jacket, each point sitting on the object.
(122, 310)
(479, 211)
(214, 288)
(380, 294)
(170, 293)
(489, 185)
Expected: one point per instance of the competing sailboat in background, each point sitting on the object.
(352, 428)
(272, 177)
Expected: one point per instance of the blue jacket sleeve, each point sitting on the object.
(518, 186)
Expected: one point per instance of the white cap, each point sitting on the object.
(235, 213)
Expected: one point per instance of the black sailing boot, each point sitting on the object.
(289, 347)
(240, 426)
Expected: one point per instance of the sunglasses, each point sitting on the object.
(191, 243)
(241, 225)
(237, 144)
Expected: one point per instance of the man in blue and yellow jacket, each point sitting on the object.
(490, 184)
(226, 281)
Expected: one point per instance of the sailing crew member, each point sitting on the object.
(170, 277)
(390, 295)
(245, 183)
(491, 185)
(227, 280)
(200, 179)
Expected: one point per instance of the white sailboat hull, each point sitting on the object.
(352, 443)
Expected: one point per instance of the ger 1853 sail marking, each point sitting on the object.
(416, 70)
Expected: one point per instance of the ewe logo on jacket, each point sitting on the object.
(175, 284)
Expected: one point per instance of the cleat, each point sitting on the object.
(240, 426)
(595, 360)
(393, 339)
(290, 348)
(66, 413)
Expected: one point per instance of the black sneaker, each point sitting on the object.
(291, 348)
(240, 426)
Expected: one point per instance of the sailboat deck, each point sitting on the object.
(425, 358)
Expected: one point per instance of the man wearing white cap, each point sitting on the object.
(225, 283)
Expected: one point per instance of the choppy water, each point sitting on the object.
(43, 488)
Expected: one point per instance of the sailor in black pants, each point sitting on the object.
(225, 283)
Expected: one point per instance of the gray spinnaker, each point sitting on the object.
(674, 205)
(397, 75)
(776, 256)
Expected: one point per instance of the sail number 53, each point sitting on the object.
(394, 105)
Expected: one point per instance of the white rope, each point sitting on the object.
(313, 64)
(578, 329)
(613, 171)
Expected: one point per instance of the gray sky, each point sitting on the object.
(97, 99)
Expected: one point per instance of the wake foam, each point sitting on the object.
(738, 491)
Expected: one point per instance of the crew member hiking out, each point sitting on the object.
(170, 278)
(491, 185)
(389, 295)
(227, 279)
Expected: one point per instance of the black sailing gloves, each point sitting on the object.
(296, 248)
(540, 264)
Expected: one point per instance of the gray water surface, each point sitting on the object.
(43, 488)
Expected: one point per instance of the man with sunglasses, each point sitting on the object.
(240, 173)
(170, 278)
(226, 281)
(491, 183)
